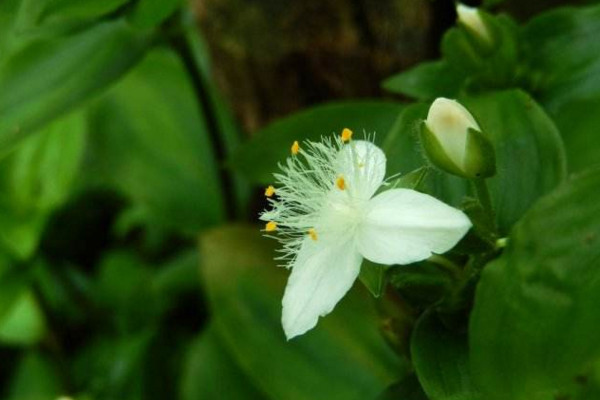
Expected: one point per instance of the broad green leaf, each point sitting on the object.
(149, 141)
(405, 389)
(535, 324)
(211, 373)
(47, 77)
(529, 151)
(113, 367)
(8, 10)
(149, 13)
(36, 378)
(61, 14)
(13, 281)
(258, 158)
(560, 49)
(441, 360)
(427, 81)
(578, 124)
(24, 324)
(37, 178)
(344, 357)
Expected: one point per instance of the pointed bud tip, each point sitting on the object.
(470, 17)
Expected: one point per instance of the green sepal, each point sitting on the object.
(489, 65)
(414, 180)
(483, 46)
(480, 158)
(373, 276)
(436, 153)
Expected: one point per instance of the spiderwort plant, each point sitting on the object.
(330, 209)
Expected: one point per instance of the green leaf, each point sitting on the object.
(441, 360)
(149, 13)
(530, 159)
(535, 324)
(8, 11)
(37, 178)
(258, 158)
(578, 123)
(113, 368)
(560, 50)
(13, 280)
(211, 373)
(61, 14)
(150, 142)
(124, 282)
(344, 357)
(427, 81)
(24, 324)
(47, 77)
(406, 389)
(36, 378)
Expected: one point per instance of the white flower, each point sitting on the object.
(470, 17)
(327, 217)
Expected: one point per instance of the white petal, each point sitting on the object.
(362, 165)
(402, 226)
(321, 275)
(450, 121)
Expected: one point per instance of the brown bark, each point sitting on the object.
(273, 57)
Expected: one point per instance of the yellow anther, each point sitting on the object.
(271, 226)
(341, 183)
(270, 191)
(361, 165)
(346, 135)
(313, 234)
(295, 148)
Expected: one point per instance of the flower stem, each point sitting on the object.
(483, 196)
(446, 265)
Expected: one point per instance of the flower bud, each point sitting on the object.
(470, 18)
(453, 141)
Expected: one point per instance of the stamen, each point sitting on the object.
(271, 226)
(295, 148)
(313, 234)
(346, 135)
(270, 191)
(341, 183)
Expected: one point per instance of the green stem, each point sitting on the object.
(446, 265)
(483, 196)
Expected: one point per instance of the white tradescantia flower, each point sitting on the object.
(327, 216)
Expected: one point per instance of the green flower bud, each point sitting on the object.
(470, 18)
(453, 141)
